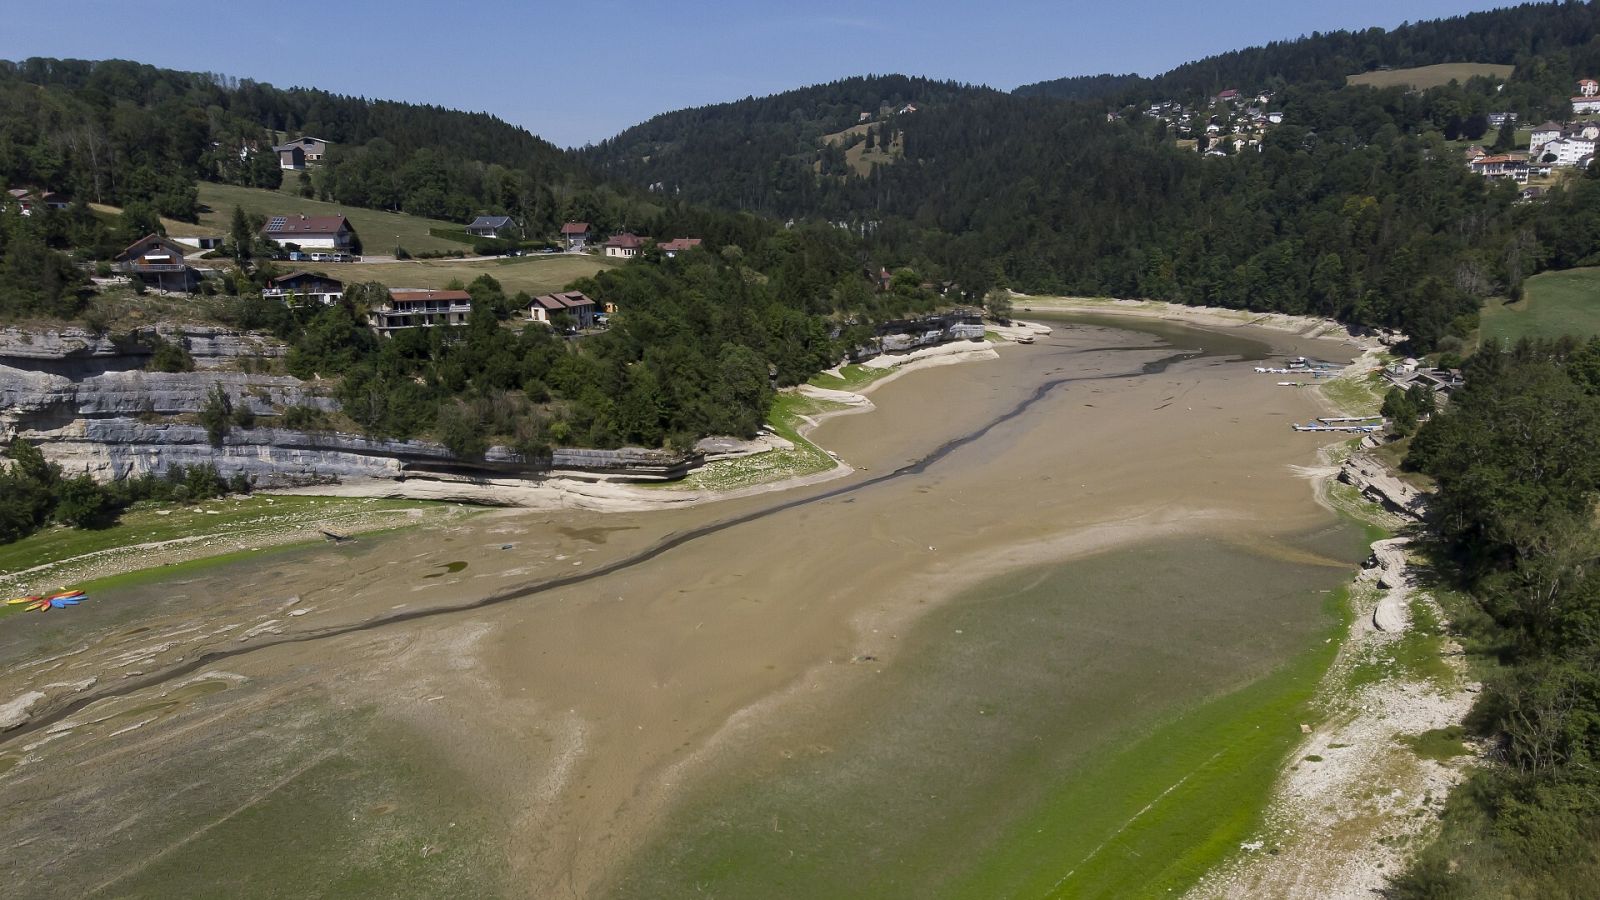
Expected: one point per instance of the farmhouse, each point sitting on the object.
(678, 245)
(573, 303)
(29, 200)
(494, 227)
(157, 261)
(201, 241)
(626, 245)
(421, 309)
(297, 153)
(320, 232)
(575, 235)
(297, 288)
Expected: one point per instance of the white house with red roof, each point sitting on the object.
(313, 232)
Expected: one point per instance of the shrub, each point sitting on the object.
(303, 418)
(169, 357)
(217, 415)
(83, 503)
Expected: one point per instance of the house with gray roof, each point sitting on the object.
(502, 227)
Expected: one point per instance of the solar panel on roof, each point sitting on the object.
(276, 223)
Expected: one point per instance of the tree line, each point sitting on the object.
(1513, 520)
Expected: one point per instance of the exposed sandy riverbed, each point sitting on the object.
(567, 722)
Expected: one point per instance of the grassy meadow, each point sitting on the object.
(1553, 304)
(378, 230)
(1423, 77)
(538, 274)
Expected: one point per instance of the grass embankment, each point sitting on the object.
(1356, 395)
(537, 274)
(1553, 304)
(212, 531)
(1420, 78)
(850, 378)
(790, 412)
(378, 230)
(1416, 655)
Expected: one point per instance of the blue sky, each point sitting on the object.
(579, 71)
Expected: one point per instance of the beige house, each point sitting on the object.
(626, 245)
(573, 303)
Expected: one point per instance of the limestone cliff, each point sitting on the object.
(89, 404)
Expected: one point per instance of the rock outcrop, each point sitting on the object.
(1373, 479)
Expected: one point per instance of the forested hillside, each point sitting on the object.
(1551, 44)
(758, 153)
(1357, 207)
(118, 132)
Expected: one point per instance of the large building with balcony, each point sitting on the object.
(421, 309)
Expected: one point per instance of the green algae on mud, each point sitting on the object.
(306, 801)
(1109, 726)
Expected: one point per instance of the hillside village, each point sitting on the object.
(1229, 123)
(179, 265)
(1551, 146)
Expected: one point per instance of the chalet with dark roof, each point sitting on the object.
(500, 227)
(157, 261)
(304, 288)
